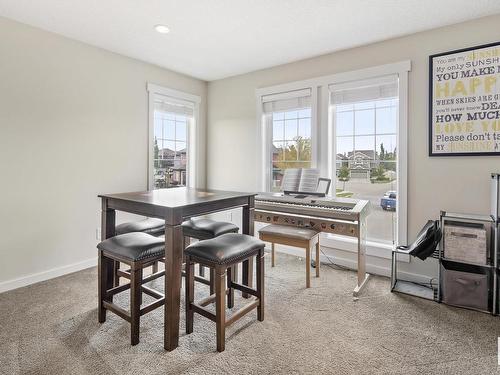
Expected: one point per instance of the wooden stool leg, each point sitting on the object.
(230, 279)
(272, 254)
(317, 258)
(116, 278)
(105, 282)
(189, 295)
(212, 281)
(185, 242)
(247, 275)
(236, 273)
(154, 267)
(308, 267)
(220, 307)
(201, 270)
(135, 304)
(260, 284)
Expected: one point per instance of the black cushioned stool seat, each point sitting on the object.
(133, 246)
(204, 229)
(222, 255)
(226, 249)
(155, 227)
(138, 250)
(150, 225)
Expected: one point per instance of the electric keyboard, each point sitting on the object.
(335, 215)
(339, 208)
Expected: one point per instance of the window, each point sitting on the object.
(291, 143)
(288, 118)
(355, 125)
(170, 153)
(172, 137)
(365, 118)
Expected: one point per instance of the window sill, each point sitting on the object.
(373, 249)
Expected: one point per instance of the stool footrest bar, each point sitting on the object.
(203, 311)
(153, 305)
(244, 289)
(117, 289)
(152, 292)
(243, 311)
(117, 310)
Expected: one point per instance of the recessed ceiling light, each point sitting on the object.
(162, 29)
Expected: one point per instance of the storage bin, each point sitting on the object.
(465, 289)
(466, 242)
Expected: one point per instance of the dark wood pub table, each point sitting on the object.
(174, 206)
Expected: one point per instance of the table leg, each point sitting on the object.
(173, 269)
(108, 219)
(248, 228)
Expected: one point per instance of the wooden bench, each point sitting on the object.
(305, 238)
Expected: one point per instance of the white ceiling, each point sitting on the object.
(212, 39)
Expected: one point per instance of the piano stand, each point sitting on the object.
(339, 216)
(359, 287)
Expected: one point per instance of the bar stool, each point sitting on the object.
(305, 238)
(204, 229)
(222, 254)
(150, 225)
(138, 250)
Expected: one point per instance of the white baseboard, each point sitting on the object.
(60, 271)
(46, 275)
(352, 264)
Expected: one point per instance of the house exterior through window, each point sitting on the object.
(365, 118)
(355, 126)
(172, 137)
(288, 121)
(170, 148)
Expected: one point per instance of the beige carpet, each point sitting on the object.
(52, 328)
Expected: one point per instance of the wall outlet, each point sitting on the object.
(98, 234)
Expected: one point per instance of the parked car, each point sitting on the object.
(388, 201)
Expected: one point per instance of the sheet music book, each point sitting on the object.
(303, 180)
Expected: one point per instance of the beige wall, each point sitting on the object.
(73, 123)
(434, 184)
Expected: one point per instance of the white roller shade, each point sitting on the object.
(364, 90)
(172, 105)
(286, 101)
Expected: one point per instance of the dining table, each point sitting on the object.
(175, 205)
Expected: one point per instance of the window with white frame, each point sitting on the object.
(288, 122)
(170, 148)
(358, 138)
(171, 137)
(365, 119)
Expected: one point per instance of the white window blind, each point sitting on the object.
(366, 90)
(286, 101)
(176, 106)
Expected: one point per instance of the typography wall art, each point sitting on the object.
(464, 102)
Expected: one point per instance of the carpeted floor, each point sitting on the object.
(52, 328)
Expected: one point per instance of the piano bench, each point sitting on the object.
(305, 238)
